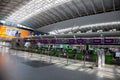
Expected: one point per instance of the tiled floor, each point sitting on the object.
(19, 65)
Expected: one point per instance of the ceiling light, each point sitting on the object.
(3, 22)
(52, 33)
(86, 26)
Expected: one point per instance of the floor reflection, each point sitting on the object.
(17, 66)
(1, 66)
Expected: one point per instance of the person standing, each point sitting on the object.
(27, 44)
(101, 57)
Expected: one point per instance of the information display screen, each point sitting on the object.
(78, 41)
(71, 41)
(26, 40)
(45, 41)
(34, 41)
(81, 41)
(40, 40)
(94, 41)
(59, 41)
(108, 40)
(31, 40)
(53, 41)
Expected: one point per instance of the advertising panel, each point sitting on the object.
(11, 32)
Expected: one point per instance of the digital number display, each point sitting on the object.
(108, 40)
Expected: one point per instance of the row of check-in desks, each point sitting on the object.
(75, 54)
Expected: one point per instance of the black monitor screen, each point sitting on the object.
(95, 40)
(108, 40)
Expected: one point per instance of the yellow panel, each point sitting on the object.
(9, 32)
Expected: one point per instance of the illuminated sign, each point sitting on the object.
(95, 40)
(59, 41)
(45, 41)
(108, 40)
(71, 41)
(53, 40)
(12, 31)
(39, 40)
(81, 41)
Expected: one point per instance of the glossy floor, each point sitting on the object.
(20, 65)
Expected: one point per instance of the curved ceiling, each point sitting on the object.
(39, 13)
(71, 9)
(7, 7)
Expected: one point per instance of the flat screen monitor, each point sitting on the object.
(30, 40)
(95, 41)
(40, 40)
(33, 40)
(71, 41)
(45, 41)
(108, 40)
(59, 41)
(26, 40)
(53, 41)
(81, 41)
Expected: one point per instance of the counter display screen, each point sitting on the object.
(81, 41)
(33, 41)
(40, 40)
(30, 40)
(27, 40)
(95, 40)
(71, 41)
(59, 41)
(53, 41)
(108, 40)
(45, 41)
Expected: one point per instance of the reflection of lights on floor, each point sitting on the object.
(72, 65)
(99, 74)
(109, 75)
